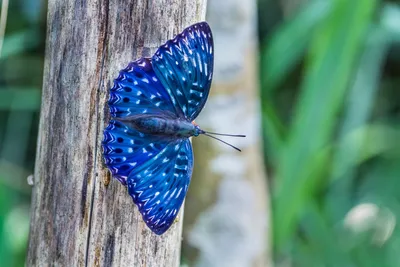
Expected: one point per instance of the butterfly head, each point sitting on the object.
(197, 130)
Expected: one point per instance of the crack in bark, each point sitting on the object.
(107, 7)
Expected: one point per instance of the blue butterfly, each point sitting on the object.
(153, 102)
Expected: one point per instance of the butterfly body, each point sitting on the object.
(152, 104)
(163, 126)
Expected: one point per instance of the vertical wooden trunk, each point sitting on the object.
(78, 217)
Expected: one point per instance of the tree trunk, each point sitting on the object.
(227, 210)
(79, 216)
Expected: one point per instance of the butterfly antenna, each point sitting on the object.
(226, 143)
(232, 135)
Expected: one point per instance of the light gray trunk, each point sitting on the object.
(79, 216)
(227, 208)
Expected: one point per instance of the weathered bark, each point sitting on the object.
(79, 217)
(227, 218)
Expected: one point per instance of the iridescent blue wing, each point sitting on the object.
(125, 149)
(159, 186)
(184, 66)
(137, 90)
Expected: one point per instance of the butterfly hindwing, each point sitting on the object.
(137, 90)
(159, 186)
(184, 66)
(125, 149)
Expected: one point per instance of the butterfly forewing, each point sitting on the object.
(159, 186)
(184, 66)
(137, 90)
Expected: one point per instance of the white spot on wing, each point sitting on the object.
(166, 193)
(173, 192)
(179, 192)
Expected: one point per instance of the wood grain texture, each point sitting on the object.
(79, 217)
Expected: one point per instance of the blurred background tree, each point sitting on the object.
(227, 211)
(329, 78)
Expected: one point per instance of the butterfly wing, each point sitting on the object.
(174, 83)
(184, 66)
(159, 186)
(125, 149)
(137, 90)
(156, 171)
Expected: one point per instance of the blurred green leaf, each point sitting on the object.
(19, 42)
(323, 238)
(22, 70)
(273, 130)
(288, 44)
(379, 139)
(20, 99)
(357, 112)
(390, 19)
(333, 52)
(6, 203)
(16, 227)
(360, 99)
(278, 57)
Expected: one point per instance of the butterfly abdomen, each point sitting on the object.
(163, 126)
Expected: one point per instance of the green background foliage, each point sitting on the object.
(329, 74)
(21, 68)
(329, 88)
